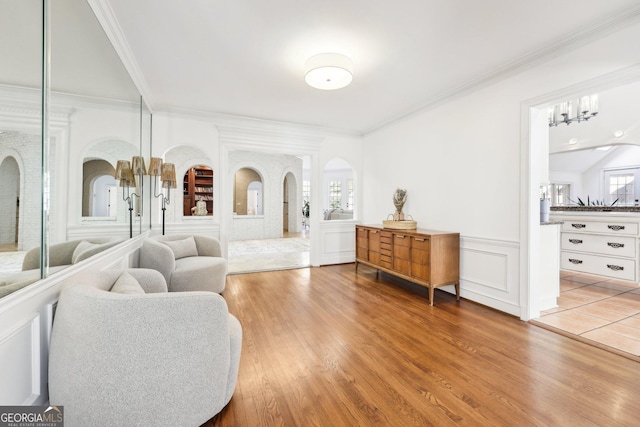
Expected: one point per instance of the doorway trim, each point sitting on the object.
(273, 140)
(530, 162)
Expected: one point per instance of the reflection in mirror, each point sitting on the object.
(198, 191)
(247, 192)
(99, 189)
(20, 140)
(99, 166)
(145, 153)
(90, 98)
(338, 198)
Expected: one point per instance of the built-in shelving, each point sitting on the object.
(197, 185)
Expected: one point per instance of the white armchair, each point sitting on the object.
(187, 262)
(142, 357)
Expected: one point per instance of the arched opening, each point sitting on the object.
(248, 192)
(291, 209)
(98, 189)
(198, 191)
(254, 198)
(266, 198)
(9, 204)
(105, 200)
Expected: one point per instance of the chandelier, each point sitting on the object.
(567, 112)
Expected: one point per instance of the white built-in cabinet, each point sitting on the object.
(604, 244)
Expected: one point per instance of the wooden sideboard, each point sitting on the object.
(426, 257)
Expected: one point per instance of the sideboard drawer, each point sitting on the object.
(609, 227)
(623, 246)
(593, 264)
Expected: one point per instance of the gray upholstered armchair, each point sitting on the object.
(135, 354)
(187, 262)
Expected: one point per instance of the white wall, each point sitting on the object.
(461, 164)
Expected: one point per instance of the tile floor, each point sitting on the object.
(597, 310)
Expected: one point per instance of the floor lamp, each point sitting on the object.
(167, 174)
(124, 174)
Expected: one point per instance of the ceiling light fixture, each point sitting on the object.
(328, 71)
(573, 141)
(618, 134)
(566, 112)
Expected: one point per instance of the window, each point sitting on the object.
(306, 191)
(335, 194)
(339, 186)
(622, 185)
(559, 194)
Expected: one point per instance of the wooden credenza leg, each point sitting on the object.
(458, 291)
(431, 292)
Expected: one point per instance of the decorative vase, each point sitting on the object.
(399, 199)
(398, 215)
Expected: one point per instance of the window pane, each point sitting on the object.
(621, 187)
(335, 194)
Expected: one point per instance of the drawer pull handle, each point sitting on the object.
(400, 237)
(615, 227)
(575, 261)
(575, 241)
(374, 231)
(615, 267)
(578, 226)
(417, 239)
(615, 245)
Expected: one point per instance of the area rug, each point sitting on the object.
(270, 254)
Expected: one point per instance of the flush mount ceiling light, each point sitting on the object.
(618, 134)
(328, 71)
(573, 141)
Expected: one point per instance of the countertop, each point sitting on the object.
(595, 208)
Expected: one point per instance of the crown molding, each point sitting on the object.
(272, 140)
(105, 15)
(251, 122)
(552, 50)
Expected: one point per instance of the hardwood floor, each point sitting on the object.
(326, 347)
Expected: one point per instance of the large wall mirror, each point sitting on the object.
(61, 191)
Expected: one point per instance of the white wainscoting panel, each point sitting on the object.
(489, 273)
(337, 242)
(190, 225)
(20, 367)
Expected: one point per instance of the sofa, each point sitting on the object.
(61, 255)
(126, 352)
(187, 262)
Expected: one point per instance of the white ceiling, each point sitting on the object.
(618, 111)
(246, 57)
(83, 61)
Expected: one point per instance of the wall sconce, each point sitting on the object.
(167, 174)
(126, 173)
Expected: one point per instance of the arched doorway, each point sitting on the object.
(9, 204)
(290, 204)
